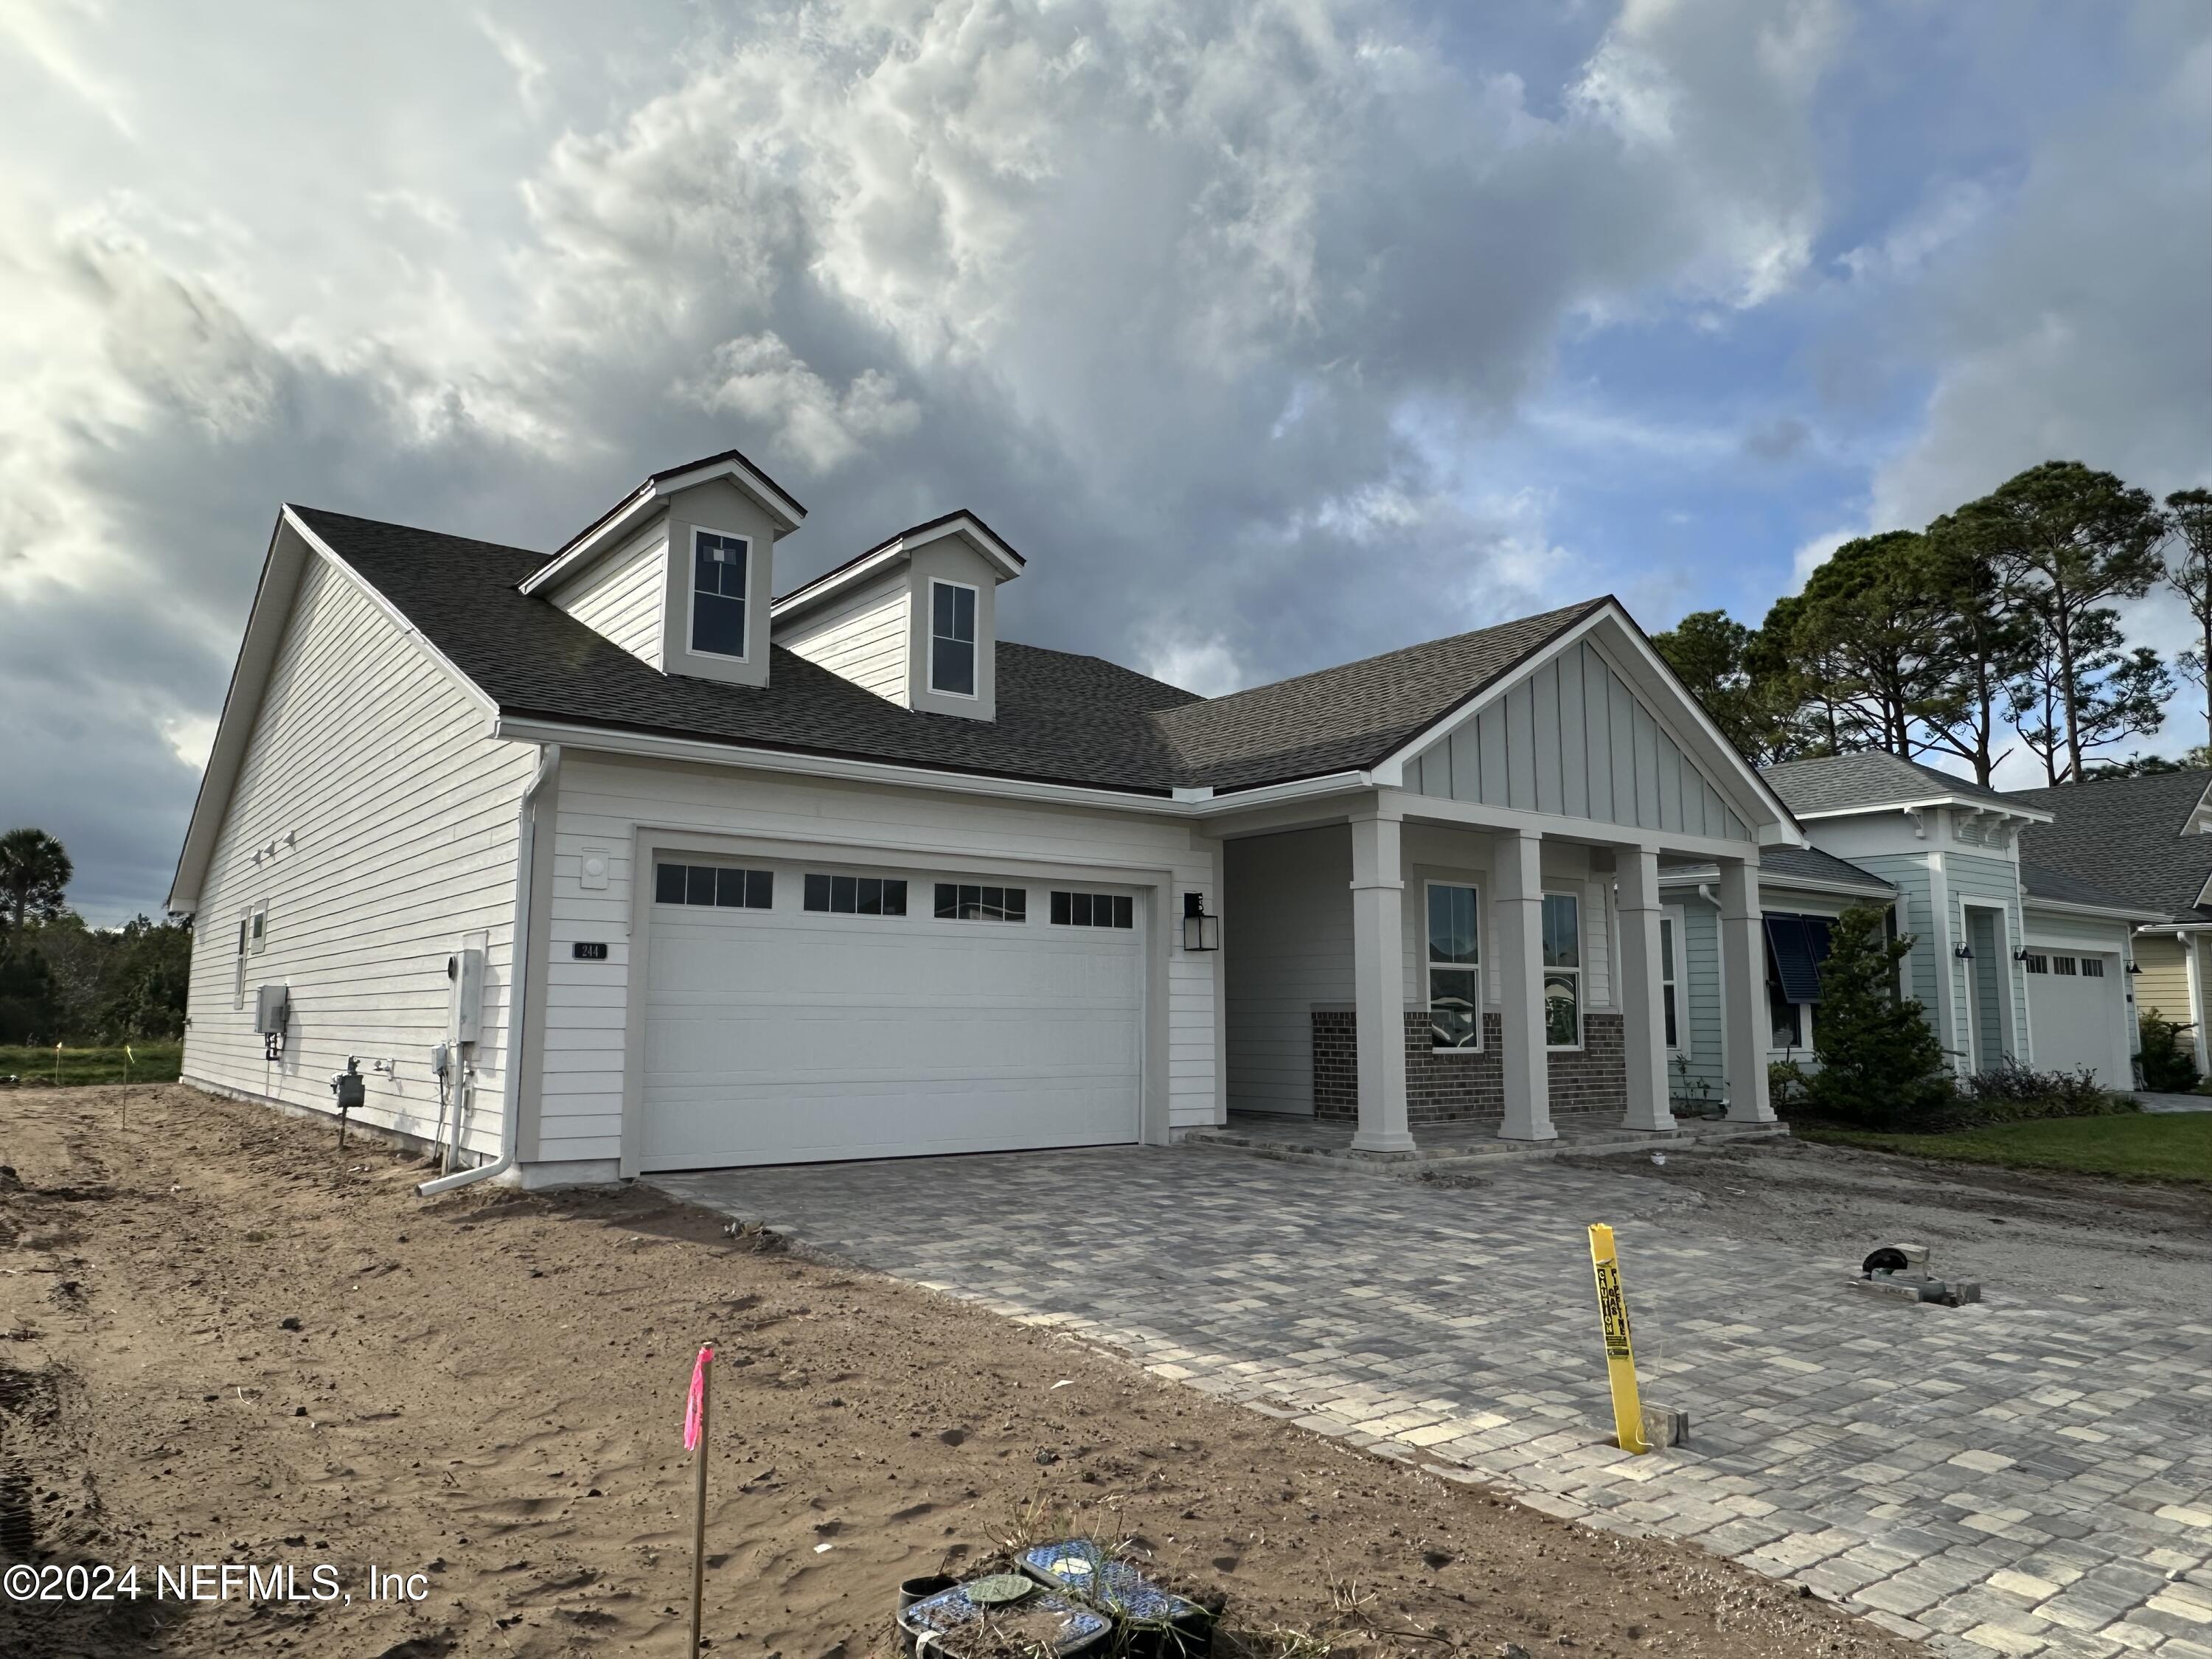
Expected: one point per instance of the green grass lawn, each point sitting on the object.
(2175, 1146)
(152, 1062)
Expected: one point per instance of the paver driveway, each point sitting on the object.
(2016, 1477)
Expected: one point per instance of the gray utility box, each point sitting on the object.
(464, 970)
(272, 1010)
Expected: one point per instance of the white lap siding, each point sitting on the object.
(863, 637)
(624, 598)
(603, 801)
(394, 819)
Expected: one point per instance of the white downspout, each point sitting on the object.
(525, 847)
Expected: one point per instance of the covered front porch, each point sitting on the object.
(1410, 975)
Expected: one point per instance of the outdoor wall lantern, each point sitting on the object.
(1965, 953)
(2020, 953)
(2134, 967)
(1200, 931)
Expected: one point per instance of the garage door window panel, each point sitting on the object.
(964, 900)
(713, 886)
(855, 896)
(1092, 910)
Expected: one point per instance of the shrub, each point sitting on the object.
(2009, 1093)
(1879, 1061)
(2168, 1065)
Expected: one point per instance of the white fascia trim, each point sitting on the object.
(2025, 814)
(462, 683)
(708, 753)
(1790, 884)
(2030, 904)
(805, 598)
(1781, 820)
(653, 492)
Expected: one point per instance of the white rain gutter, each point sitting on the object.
(525, 845)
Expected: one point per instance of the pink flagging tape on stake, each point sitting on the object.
(695, 1403)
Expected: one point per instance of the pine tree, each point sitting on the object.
(1880, 1061)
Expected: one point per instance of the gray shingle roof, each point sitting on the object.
(1061, 717)
(2125, 836)
(1781, 865)
(2040, 881)
(1839, 783)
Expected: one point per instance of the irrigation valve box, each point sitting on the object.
(465, 971)
(272, 1010)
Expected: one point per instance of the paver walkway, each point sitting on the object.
(2017, 1476)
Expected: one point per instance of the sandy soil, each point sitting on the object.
(2034, 1233)
(221, 1340)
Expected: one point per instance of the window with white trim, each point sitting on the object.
(1563, 971)
(238, 967)
(2037, 962)
(1454, 966)
(952, 638)
(2063, 965)
(718, 564)
(259, 933)
(713, 886)
(2093, 967)
(1669, 942)
(960, 900)
(855, 896)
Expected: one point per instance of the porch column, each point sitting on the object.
(1518, 874)
(1743, 975)
(1378, 964)
(1643, 991)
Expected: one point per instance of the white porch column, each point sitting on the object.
(1643, 991)
(1519, 877)
(1378, 961)
(1743, 973)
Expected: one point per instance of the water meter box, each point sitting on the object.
(272, 1009)
(991, 1616)
(1155, 1624)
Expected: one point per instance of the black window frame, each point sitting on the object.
(1069, 906)
(980, 899)
(713, 886)
(841, 893)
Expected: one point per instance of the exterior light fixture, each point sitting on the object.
(1965, 953)
(2134, 967)
(2020, 953)
(1200, 931)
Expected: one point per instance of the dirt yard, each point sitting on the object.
(222, 1341)
(2137, 1243)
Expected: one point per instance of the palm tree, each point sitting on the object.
(33, 872)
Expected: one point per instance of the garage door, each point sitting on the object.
(2074, 1010)
(803, 1012)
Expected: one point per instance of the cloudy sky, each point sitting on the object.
(1273, 334)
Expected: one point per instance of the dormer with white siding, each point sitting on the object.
(912, 620)
(679, 573)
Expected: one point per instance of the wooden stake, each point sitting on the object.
(699, 1508)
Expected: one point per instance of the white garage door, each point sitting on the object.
(798, 1014)
(2074, 1007)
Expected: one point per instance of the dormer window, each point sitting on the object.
(952, 639)
(718, 593)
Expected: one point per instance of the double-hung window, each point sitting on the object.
(1563, 971)
(1454, 966)
(952, 639)
(718, 564)
(1668, 996)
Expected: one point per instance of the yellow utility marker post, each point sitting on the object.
(1620, 1351)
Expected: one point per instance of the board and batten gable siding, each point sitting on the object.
(624, 597)
(401, 820)
(1572, 739)
(605, 799)
(863, 637)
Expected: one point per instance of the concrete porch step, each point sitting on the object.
(1454, 1146)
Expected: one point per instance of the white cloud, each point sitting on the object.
(757, 377)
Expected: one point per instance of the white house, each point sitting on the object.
(2013, 959)
(690, 876)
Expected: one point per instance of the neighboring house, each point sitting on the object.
(2150, 840)
(2012, 960)
(694, 877)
